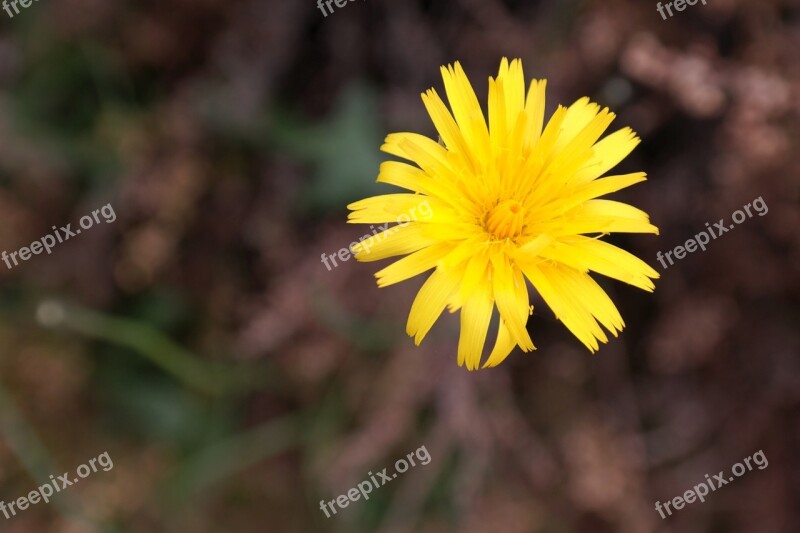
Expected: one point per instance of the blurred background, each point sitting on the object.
(235, 381)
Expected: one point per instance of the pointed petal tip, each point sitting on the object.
(528, 349)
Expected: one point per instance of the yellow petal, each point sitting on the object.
(446, 125)
(600, 216)
(534, 109)
(413, 264)
(431, 301)
(532, 248)
(427, 153)
(435, 160)
(556, 172)
(594, 299)
(531, 173)
(466, 109)
(502, 346)
(564, 304)
(511, 295)
(411, 178)
(397, 240)
(475, 317)
(577, 118)
(608, 152)
(513, 84)
(464, 251)
(600, 187)
(578, 151)
(475, 276)
(498, 128)
(393, 207)
(584, 254)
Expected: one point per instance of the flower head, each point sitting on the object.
(508, 201)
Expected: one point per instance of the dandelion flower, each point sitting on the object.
(507, 201)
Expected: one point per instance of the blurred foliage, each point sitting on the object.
(342, 149)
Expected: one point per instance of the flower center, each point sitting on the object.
(506, 219)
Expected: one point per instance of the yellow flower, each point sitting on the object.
(506, 202)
